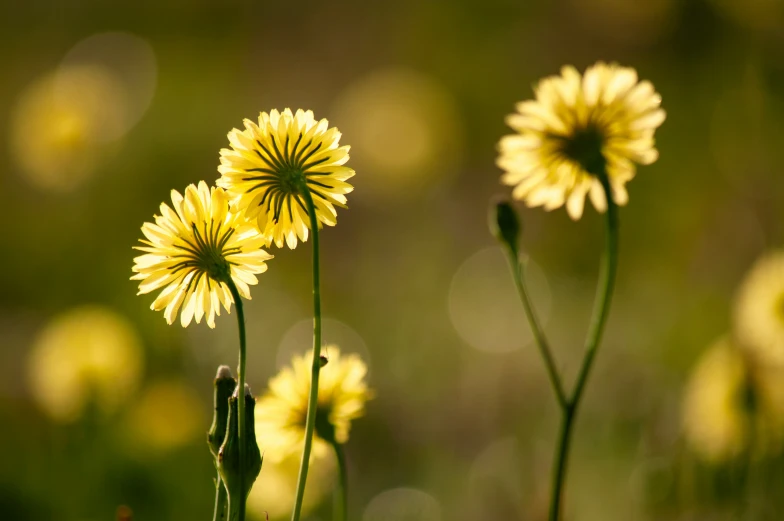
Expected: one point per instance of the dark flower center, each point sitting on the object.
(291, 179)
(286, 171)
(585, 148)
(205, 253)
(324, 429)
(211, 258)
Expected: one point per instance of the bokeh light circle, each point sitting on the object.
(63, 121)
(403, 504)
(298, 340)
(87, 355)
(496, 478)
(168, 414)
(498, 462)
(405, 130)
(131, 61)
(58, 122)
(484, 307)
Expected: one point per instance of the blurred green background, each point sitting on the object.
(463, 423)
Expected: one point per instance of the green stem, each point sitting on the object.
(240, 397)
(220, 500)
(310, 422)
(600, 311)
(562, 453)
(750, 472)
(341, 491)
(530, 313)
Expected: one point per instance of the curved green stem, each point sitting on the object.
(604, 292)
(600, 311)
(536, 329)
(341, 491)
(240, 395)
(310, 422)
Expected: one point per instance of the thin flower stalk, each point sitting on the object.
(241, 420)
(310, 422)
(341, 490)
(582, 136)
(601, 311)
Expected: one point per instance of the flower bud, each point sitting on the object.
(504, 223)
(224, 387)
(239, 482)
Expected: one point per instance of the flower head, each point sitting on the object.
(732, 407)
(193, 250)
(271, 164)
(281, 412)
(759, 310)
(577, 127)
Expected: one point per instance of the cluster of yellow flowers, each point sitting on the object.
(734, 401)
(284, 176)
(281, 178)
(213, 234)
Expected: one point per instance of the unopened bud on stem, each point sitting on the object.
(239, 478)
(504, 224)
(223, 389)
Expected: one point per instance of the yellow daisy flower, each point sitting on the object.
(732, 407)
(577, 126)
(759, 310)
(193, 250)
(271, 163)
(281, 412)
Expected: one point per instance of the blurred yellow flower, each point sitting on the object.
(759, 310)
(59, 124)
(731, 407)
(193, 250)
(89, 355)
(576, 126)
(281, 412)
(274, 491)
(406, 132)
(167, 415)
(270, 164)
